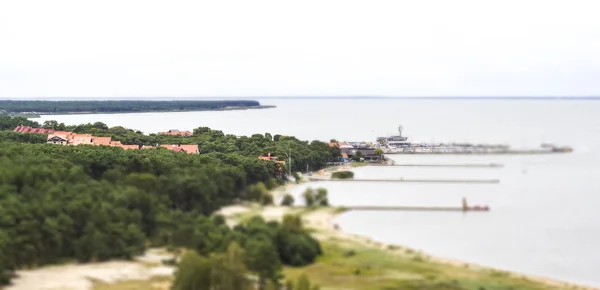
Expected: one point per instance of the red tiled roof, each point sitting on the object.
(101, 141)
(61, 134)
(174, 148)
(190, 149)
(81, 139)
(130, 147)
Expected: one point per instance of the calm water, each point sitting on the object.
(543, 218)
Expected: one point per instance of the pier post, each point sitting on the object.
(465, 206)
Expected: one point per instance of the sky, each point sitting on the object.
(111, 49)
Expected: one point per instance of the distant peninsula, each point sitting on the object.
(35, 108)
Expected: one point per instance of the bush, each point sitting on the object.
(297, 177)
(271, 183)
(256, 191)
(288, 200)
(266, 199)
(309, 196)
(318, 197)
(321, 197)
(342, 175)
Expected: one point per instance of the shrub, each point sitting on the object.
(318, 197)
(321, 197)
(256, 191)
(309, 196)
(288, 200)
(266, 199)
(271, 183)
(342, 175)
(349, 253)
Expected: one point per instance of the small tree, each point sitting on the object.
(256, 191)
(378, 152)
(271, 183)
(296, 177)
(288, 200)
(304, 284)
(289, 285)
(193, 272)
(309, 196)
(266, 199)
(321, 197)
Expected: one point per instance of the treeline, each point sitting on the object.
(313, 155)
(95, 203)
(55, 107)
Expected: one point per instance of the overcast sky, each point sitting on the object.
(312, 48)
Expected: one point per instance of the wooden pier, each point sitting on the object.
(312, 178)
(473, 165)
(416, 208)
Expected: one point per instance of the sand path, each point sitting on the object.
(80, 277)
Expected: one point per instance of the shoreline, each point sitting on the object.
(322, 220)
(39, 115)
(442, 260)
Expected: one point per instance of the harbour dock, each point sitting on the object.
(473, 165)
(486, 152)
(416, 208)
(312, 178)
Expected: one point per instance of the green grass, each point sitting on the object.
(348, 265)
(156, 283)
(352, 266)
(358, 164)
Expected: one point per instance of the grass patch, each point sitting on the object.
(358, 164)
(355, 266)
(156, 283)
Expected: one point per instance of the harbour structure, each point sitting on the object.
(397, 141)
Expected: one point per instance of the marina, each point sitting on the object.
(399, 144)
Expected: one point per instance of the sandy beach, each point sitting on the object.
(82, 276)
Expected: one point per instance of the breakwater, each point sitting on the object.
(490, 152)
(408, 180)
(415, 208)
(474, 165)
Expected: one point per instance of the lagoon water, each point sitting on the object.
(544, 216)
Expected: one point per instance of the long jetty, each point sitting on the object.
(410, 180)
(474, 165)
(416, 208)
(494, 152)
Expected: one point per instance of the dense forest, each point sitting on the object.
(93, 203)
(313, 155)
(56, 107)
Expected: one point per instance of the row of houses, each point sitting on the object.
(70, 138)
(28, 129)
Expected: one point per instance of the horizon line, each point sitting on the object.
(308, 97)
